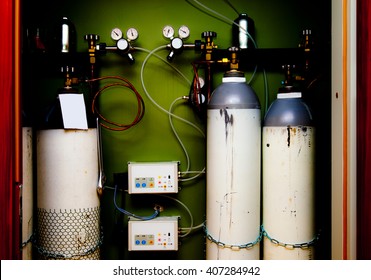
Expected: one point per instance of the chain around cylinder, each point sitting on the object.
(304, 245)
(234, 247)
(263, 232)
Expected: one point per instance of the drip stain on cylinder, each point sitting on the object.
(288, 136)
(228, 119)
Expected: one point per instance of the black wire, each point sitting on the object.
(230, 4)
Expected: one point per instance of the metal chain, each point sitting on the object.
(233, 247)
(263, 232)
(304, 245)
(47, 254)
(24, 243)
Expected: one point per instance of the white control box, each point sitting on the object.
(153, 177)
(159, 234)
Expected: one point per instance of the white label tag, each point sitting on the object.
(73, 111)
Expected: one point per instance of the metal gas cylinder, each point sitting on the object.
(233, 170)
(288, 151)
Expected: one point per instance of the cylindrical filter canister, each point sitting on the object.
(288, 150)
(233, 170)
(68, 205)
(243, 32)
(27, 193)
(65, 36)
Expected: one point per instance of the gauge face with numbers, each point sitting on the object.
(184, 32)
(168, 31)
(116, 34)
(132, 34)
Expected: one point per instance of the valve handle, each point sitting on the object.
(208, 34)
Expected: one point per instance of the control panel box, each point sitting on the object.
(153, 177)
(159, 234)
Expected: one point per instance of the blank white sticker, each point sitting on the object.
(73, 111)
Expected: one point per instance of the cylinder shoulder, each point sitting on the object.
(234, 95)
(291, 111)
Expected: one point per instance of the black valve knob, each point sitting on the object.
(101, 47)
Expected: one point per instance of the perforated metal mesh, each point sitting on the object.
(69, 234)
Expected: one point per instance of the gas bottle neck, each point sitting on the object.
(234, 76)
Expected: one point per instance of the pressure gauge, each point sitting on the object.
(132, 34)
(123, 44)
(116, 34)
(184, 32)
(168, 31)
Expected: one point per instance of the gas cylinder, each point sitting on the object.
(27, 208)
(288, 156)
(68, 204)
(233, 170)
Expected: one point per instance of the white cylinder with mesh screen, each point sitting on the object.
(68, 205)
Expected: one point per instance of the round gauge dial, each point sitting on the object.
(122, 44)
(132, 34)
(116, 34)
(168, 31)
(184, 32)
(176, 43)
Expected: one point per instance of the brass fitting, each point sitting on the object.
(307, 41)
(69, 80)
(92, 40)
(234, 58)
(209, 45)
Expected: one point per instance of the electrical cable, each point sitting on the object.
(144, 218)
(225, 19)
(198, 174)
(150, 97)
(189, 230)
(176, 133)
(194, 228)
(168, 112)
(181, 142)
(230, 4)
(167, 62)
(111, 125)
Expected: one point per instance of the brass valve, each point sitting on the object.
(307, 46)
(69, 80)
(307, 40)
(288, 74)
(209, 45)
(234, 59)
(92, 40)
